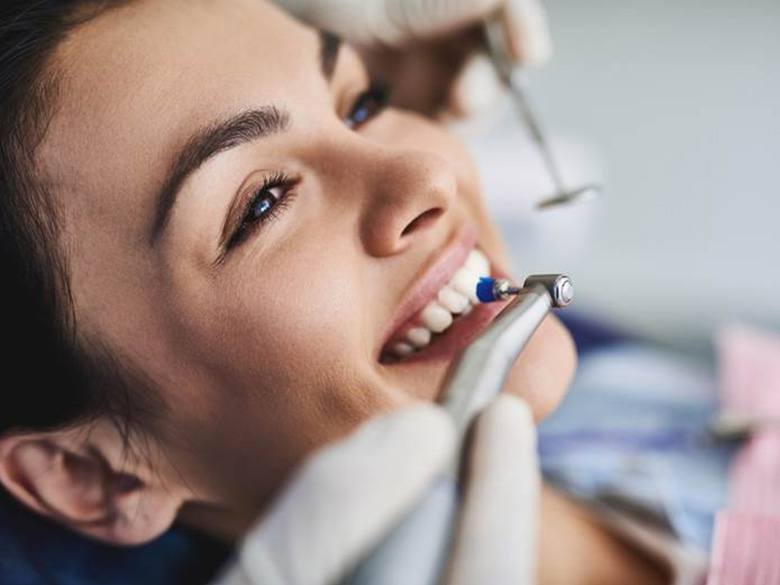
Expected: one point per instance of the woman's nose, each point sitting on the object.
(408, 196)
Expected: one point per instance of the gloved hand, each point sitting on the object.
(436, 39)
(347, 496)
(397, 22)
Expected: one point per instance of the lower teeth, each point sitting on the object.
(456, 298)
(415, 338)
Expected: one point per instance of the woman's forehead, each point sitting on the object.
(135, 81)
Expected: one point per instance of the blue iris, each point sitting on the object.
(361, 115)
(262, 206)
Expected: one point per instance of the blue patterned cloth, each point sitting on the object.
(633, 433)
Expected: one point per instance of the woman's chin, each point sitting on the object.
(543, 373)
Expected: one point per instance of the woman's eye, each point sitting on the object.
(263, 202)
(368, 104)
(267, 203)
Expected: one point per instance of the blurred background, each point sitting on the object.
(675, 106)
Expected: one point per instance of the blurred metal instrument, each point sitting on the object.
(730, 426)
(499, 49)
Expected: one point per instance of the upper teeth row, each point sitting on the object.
(455, 298)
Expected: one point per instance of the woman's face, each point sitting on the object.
(245, 225)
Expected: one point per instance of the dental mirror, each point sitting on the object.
(512, 77)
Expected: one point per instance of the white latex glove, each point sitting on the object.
(397, 23)
(348, 495)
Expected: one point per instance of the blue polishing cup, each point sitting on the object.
(486, 289)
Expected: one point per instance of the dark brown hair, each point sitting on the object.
(51, 376)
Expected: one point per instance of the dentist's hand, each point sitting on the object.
(428, 48)
(345, 498)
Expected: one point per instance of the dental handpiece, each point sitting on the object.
(416, 550)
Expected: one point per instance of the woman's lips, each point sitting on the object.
(434, 277)
(441, 315)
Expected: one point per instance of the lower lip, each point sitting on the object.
(462, 332)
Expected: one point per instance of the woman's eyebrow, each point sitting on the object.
(208, 142)
(223, 135)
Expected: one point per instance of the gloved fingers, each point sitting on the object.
(345, 497)
(525, 23)
(416, 19)
(527, 32)
(496, 538)
(396, 22)
(476, 89)
(470, 89)
(390, 22)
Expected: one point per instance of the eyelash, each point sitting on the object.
(366, 106)
(251, 221)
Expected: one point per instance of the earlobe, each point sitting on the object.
(77, 485)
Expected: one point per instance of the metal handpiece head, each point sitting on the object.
(559, 287)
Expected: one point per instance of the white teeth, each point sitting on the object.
(435, 317)
(453, 301)
(457, 297)
(403, 349)
(465, 282)
(419, 337)
(478, 262)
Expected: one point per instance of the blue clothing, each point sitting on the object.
(590, 334)
(34, 551)
(632, 433)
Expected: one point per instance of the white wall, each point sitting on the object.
(678, 104)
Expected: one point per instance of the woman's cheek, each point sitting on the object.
(543, 372)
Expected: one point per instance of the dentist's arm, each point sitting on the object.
(346, 498)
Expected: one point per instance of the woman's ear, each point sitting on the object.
(82, 478)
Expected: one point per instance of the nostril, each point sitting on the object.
(423, 220)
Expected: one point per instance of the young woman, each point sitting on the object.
(221, 250)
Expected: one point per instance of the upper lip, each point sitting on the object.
(433, 278)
